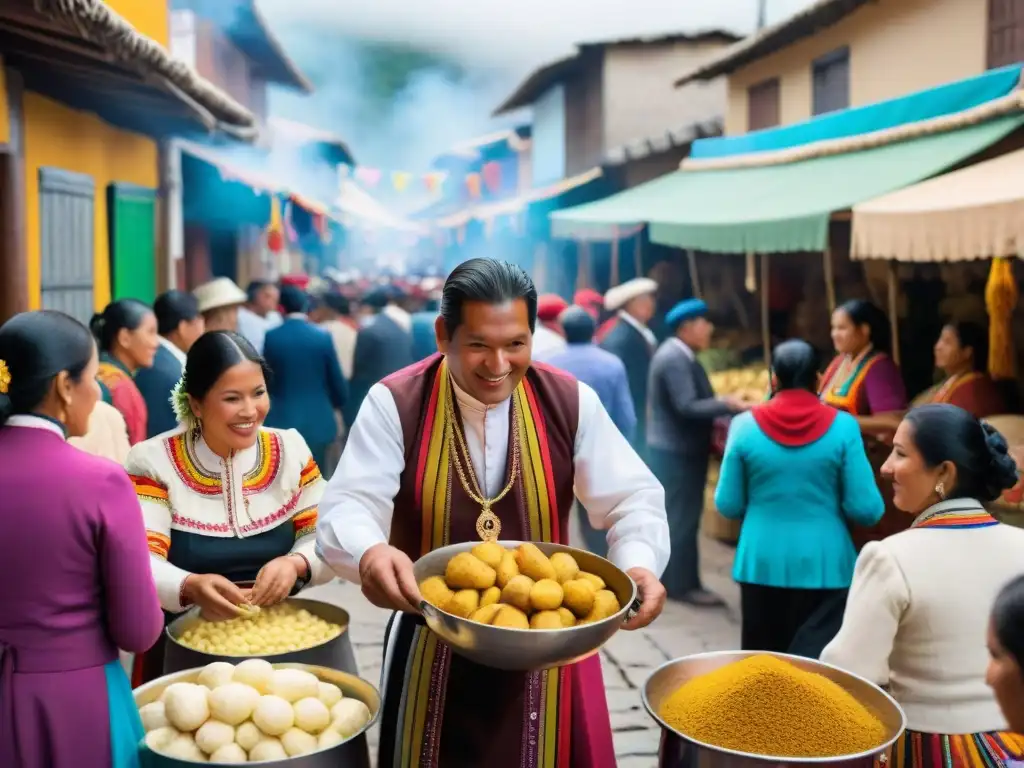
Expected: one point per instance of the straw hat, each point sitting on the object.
(619, 296)
(218, 293)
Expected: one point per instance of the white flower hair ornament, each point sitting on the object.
(181, 406)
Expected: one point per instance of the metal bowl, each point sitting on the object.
(351, 753)
(526, 649)
(336, 653)
(680, 751)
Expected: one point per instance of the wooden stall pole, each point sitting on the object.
(613, 276)
(691, 262)
(830, 279)
(582, 264)
(766, 333)
(894, 320)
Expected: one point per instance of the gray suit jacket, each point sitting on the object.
(681, 404)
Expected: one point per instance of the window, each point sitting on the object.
(1005, 32)
(831, 82)
(763, 105)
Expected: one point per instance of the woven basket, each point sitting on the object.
(712, 524)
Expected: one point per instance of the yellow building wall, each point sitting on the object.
(58, 137)
(896, 47)
(150, 17)
(5, 117)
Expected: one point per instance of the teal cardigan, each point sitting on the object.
(796, 503)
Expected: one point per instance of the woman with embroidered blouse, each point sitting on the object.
(961, 353)
(230, 506)
(917, 616)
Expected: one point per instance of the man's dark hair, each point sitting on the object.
(253, 291)
(578, 324)
(489, 281)
(294, 300)
(172, 308)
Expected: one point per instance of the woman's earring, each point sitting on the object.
(940, 491)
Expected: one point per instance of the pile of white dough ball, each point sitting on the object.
(249, 713)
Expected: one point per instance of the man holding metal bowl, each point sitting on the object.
(478, 443)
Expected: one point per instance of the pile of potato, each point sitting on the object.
(282, 628)
(250, 713)
(519, 589)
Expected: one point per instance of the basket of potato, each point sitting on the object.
(296, 630)
(482, 598)
(257, 712)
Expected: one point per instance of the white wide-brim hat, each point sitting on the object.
(218, 293)
(619, 296)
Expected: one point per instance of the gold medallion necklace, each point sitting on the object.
(488, 526)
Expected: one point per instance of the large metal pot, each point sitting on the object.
(526, 649)
(353, 753)
(680, 751)
(336, 653)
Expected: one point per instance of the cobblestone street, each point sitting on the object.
(627, 659)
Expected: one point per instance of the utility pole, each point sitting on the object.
(762, 10)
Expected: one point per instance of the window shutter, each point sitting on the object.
(131, 212)
(66, 218)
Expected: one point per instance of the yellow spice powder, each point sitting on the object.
(764, 705)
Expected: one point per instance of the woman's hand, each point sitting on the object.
(652, 598)
(215, 595)
(275, 580)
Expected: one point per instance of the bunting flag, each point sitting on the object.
(491, 173)
(405, 181)
(434, 181)
(368, 176)
(473, 185)
(400, 180)
(275, 231)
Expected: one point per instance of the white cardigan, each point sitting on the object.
(917, 617)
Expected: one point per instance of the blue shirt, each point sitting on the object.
(796, 503)
(606, 375)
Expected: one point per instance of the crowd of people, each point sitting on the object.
(227, 447)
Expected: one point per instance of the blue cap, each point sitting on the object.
(687, 309)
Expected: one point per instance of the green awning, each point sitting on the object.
(772, 208)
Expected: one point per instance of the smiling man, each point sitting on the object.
(478, 442)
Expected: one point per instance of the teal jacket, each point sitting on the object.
(796, 504)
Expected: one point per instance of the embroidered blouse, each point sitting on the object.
(186, 490)
(119, 390)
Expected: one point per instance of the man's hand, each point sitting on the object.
(652, 598)
(737, 405)
(386, 576)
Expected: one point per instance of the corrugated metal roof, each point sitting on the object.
(819, 16)
(543, 78)
(653, 145)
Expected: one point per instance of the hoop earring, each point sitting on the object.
(940, 491)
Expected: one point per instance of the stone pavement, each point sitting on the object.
(627, 659)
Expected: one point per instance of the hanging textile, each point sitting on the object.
(1000, 300)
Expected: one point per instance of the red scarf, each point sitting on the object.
(794, 417)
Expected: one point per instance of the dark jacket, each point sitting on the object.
(424, 340)
(629, 345)
(307, 385)
(382, 347)
(156, 384)
(682, 405)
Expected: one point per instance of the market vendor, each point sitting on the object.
(961, 353)
(917, 615)
(473, 442)
(864, 381)
(230, 506)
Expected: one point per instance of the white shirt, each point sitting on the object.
(546, 342)
(611, 481)
(171, 347)
(917, 616)
(684, 346)
(254, 328)
(646, 332)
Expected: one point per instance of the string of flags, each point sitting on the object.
(488, 179)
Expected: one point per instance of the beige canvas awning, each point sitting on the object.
(974, 213)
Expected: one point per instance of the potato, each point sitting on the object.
(329, 738)
(605, 604)
(216, 674)
(153, 716)
(213, 734)
(517, 592)
(511, 617)
(254, 672)
(596, 581)
(467, 572)
(568, 619)
(229, 754)
(159, 738)
(546, 620)
(546, 595)
(233, 703)
(485, 614)
(565, 566)
(349, 716)
(463, 603)
(185, 706)
(247, 735)
(490, 596)
(329, 694)
(273, 715)
(311, 715)
(435, 591)
(578, 596)
(297, 742)
(490, 552)
(507, 569)
(533, 563)
(293, 685)
(267, 749)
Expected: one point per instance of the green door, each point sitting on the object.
(132, 218)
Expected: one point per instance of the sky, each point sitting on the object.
(500, 43)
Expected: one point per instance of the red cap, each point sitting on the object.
(590, 300)
(550, 306)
